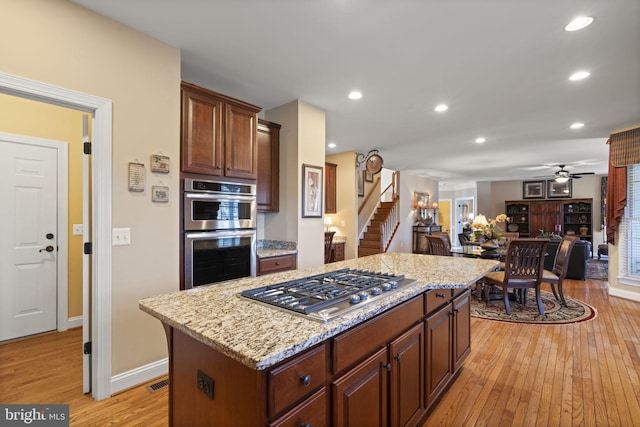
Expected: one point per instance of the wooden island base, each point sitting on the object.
(387, 371)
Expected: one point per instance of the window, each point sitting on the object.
(629, 232)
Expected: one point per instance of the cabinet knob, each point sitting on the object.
(277, 263)
(228, 168)
(218, 167)
(305, 425)
(388, 366)
(306, 380)
(398, 357)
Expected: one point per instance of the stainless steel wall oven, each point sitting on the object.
(219, 231)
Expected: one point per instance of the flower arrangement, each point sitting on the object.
(484, 230)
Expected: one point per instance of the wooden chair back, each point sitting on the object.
(524, 262)
(328, 240)
(438, 245)
(561, 264)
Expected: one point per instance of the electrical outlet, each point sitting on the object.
(121, 236)
(205, 384)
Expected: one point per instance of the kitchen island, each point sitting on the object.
(233, 361)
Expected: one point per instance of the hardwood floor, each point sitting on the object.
(585, 374)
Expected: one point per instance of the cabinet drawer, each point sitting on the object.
(295, 379)
(436, 298)
(363, 340)
(276, 263)
(311, 412)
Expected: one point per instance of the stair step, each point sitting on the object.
(368, 251)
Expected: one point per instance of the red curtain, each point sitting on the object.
(616, 199)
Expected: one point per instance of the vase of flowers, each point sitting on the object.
(484, 230)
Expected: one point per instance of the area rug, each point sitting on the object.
(597, 269)
(575, 311)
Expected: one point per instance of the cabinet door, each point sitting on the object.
(407, 378)
(241, 147)
(201, 133)
(461, 328)
(360, 396)
(268, 167)
(330, 185)
(544, 216)
(438, 352)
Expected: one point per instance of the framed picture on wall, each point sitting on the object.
(361, 183)
(558, 189)
(368, 176)
(312, 191)
(533, 190)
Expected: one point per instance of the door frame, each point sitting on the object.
(101, 217)
(62, 223)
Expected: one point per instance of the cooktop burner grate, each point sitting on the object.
(329, 294)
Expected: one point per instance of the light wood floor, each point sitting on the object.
(585, 374)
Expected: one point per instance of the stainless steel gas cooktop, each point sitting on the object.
(329, 295)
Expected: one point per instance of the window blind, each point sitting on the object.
(630, 229)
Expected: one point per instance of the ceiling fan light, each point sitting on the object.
(562, 179)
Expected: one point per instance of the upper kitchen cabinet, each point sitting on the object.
(268, 166)
(330, 192)
(219, 134)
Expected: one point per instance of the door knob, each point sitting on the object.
(49, 236)
(47, 249)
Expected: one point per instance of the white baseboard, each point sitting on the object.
(74, 322)
(139, 375)
(633, 296)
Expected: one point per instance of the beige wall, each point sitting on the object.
(347, 208)
(31, 118)
(302, 141)
(59, 43)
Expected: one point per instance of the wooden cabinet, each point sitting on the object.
(383, 372)
(545, 215)
(528, 217)
(360, 397)
(219, 134)
(330, 188)
(338, 251)
(268, 166)
(420, 242)
(448, 339)
(276, 264)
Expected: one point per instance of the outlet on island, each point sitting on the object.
(205, 384)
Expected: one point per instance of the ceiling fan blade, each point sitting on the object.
(583, 173)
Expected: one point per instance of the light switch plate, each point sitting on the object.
(121, 236)
(78, 229)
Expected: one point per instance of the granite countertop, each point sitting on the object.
(272, 248)
(259, 336)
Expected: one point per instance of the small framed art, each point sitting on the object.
(533, 190)
(159, 194)
(136, 177)
(558, 189)
(159, 163)
(312, 191)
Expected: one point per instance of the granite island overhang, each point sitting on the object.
(259, 336)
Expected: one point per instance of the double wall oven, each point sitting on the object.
(219, 231)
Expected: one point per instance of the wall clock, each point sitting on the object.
(374, 164)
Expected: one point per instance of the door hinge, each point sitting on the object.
(86, 348)
(88, 248)
(86, 148)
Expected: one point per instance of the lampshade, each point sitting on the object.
(328, 220)
(480, 220)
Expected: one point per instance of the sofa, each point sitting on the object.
(577, 261)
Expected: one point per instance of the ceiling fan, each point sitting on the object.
(564, 175)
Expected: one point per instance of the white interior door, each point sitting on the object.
(86, 269)
(464, 212)
(28, 249)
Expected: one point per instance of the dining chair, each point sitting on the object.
(438, 245)
(445, 236)
(523, 271)
(560, 267)
(328, 240)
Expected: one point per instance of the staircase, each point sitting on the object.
(372, 241)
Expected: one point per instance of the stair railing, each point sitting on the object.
(392, 222)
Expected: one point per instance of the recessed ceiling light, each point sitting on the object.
(440, 108)
(577, 125)
(355, 94)
(331, 145)
(579, 23)
(481, 140)
(579, 75)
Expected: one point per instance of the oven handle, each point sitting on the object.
(206, 196)
(219, 234)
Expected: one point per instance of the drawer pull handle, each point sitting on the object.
(440, 295)
(306, 380)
